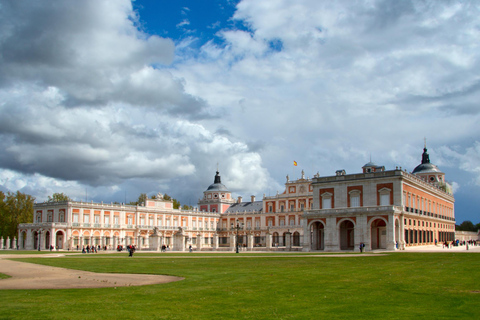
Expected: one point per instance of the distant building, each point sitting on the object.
(381, 209)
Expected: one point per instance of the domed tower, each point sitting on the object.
(428, 171)
(216, 198)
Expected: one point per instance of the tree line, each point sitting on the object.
(467, 226)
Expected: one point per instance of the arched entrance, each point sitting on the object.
(59, 239)
(296, 239)
(317, 235)
(275, 239)
(24, 240)
(47, 240)
(378, 234)
(347, 235)
(35, 240)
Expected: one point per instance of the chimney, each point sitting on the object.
(239, 199)
(253, 198)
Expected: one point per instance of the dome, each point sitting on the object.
(217, 184)
(426, 166)
(370, 164)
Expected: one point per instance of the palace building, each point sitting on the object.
(377, 209)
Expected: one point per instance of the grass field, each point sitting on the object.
(392, 286)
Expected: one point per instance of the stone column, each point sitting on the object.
(199, 242)
(115, 242)
(1, 243)
(29, 240)
(306, 235)
(332, 242)
(250, 241)
(215, 241)
(233, 241)
(288, 241)
(42, 241)
(362, 233)
(268, 241)
(391, 232)
(15, 244)
(401, 233)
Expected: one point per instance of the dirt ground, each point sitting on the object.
(34, 276)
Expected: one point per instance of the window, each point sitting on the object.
(75, 218)
(86, 218)
(384, 196)
(326, 200)
(257, 223)
(270, 223)
(129, 220)
(282, 222)
(292, 207)
(355, 201)
(292, 221)
(107, 220)
(282, 208)
(116, 219)
(97, 218)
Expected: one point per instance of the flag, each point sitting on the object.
(295, 163)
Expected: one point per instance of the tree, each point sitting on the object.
(187, 207)
(142, 198)
(58, 197)
(466, 226)
(15, 208)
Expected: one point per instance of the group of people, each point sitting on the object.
(165, 248)
(91, 249)
(457, 243)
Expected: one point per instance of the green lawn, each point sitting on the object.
(392, 286)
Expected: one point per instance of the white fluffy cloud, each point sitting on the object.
(89, 99)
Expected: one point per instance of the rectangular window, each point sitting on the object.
(355, 201)
(385, 199)
(326, 203)
(86, 218)
(75, 218)
(107, 220)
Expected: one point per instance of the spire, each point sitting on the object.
(425, 156)
(217, 178)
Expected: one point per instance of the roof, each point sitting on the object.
(217, 184)
(426, 166)
(245, 207)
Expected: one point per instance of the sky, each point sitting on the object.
(106, 99)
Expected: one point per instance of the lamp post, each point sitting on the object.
(237, 227)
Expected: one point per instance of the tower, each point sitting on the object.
(217, 198)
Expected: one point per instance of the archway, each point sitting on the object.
(59, 239)
(378, 232)
(317, 236)
(296, 239)
(347, 235)
(35, 240)
(47, 240)
(275, 239)
(23, 240)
